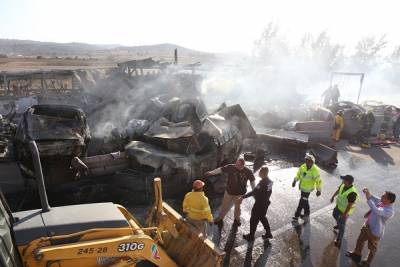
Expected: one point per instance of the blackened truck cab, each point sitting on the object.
(60, 132)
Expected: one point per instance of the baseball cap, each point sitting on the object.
(348, 178)
(309, 157)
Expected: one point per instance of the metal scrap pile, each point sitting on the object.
(366, 123)
(179, 143)
(185, 141)
(7, 131)
(303, 128)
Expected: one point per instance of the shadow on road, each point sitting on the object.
(263, 258)
(230, 243)
(376, 153)
(303, 232)
(249, 254)
(329, 256)
(343, 260)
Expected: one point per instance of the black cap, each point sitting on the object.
(348, 178)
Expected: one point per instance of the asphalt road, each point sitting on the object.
(311, 243)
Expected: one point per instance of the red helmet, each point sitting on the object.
(198, 184)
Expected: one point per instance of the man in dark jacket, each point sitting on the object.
(261, 193)
(238, 175)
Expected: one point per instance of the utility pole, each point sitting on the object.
(176, 56)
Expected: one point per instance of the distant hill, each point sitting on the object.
(157, 48)
(13, 47)
(29, 48)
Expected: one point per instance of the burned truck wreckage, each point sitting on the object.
(179, 151)
(137, 131)
(148, 119)
(61, 133)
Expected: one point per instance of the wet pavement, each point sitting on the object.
(311, 243)
(307, 243)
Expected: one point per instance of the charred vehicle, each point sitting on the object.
(352, 114)
(61, 133)
(384, 117)
(180, 145)
(181, 154)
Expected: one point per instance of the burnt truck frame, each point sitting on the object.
(61, 133)
(218, 142)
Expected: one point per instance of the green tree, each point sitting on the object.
(368, 52)
(271, 48)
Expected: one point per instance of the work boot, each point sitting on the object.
(267, 235)
(237, 222)
(219, 224)
(356, 258)
(248, 237)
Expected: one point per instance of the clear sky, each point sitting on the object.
(208, 25)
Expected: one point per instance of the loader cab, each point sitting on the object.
(20, 228)
(65, 220)
(9, 256)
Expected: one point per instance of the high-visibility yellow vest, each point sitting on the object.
(196, 205)
(309, 179)
(342, 201)
(339, 121)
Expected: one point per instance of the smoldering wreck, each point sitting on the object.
(106, 133)
(95, 138)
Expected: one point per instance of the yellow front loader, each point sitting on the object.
(100, 234)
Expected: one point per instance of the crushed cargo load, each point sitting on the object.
(179, 151)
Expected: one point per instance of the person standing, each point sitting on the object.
(238, 175)
(326, 96)
(345, 203)
(338, 126)
(309, 178)
(335, 94)
(197, 208)
(381, 210)
(262, 193)
(396, 125)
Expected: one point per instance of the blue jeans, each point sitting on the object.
(340, 221)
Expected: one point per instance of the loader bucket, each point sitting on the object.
(181, 242)
(324, 155)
